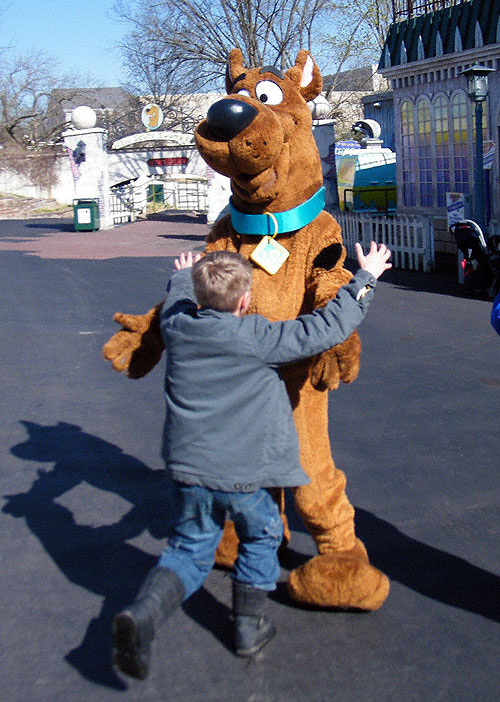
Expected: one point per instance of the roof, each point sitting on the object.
(458, 28)
(96, 98)
(355, 80)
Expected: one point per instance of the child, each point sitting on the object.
(495, 314)
(229, 434)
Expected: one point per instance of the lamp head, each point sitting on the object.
(477, 81)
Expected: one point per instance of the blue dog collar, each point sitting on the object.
(287, 221)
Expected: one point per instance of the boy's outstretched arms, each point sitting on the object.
(186, 260)
(376, 260)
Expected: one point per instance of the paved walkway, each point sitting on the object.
(148, 238)
(82, 494)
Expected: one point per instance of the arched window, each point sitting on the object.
(442, 146)
(460, 145)
(420, 49)
(439, 44)
(478, 35)
(403, 58)
(408, 148)
(424, 152)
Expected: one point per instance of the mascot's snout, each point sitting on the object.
(227, 118)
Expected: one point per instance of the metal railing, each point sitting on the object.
(406, 9)
(383, 199)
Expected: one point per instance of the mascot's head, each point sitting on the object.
(260, 135)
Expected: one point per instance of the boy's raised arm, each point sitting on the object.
(376, 260)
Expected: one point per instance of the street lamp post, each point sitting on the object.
(477, 90)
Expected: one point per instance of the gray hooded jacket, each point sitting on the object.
(229, 423)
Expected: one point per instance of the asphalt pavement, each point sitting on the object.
(83, 503)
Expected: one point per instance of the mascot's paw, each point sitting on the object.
(138, 347)
(349, 355)
(341, 363)
(340, 580)
(325, 373)
(119, 349)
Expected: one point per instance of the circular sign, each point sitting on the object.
(152, 116)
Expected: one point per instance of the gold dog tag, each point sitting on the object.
(270, 254)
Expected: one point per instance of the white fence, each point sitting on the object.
(410, 237)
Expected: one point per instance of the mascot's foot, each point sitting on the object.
(341, 580)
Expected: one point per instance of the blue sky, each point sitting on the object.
(81, 36)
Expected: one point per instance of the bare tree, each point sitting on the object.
(181, 46)
(30, 118)
(355, 45)
(360, 28)
(25, 86)
(185, 43)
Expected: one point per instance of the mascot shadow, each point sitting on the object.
(425, 569)
(101, 559)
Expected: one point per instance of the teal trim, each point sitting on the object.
(288, 221)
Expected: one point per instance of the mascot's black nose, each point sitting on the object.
(227, 118)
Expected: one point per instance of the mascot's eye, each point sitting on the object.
(269, 92)
(244, 92)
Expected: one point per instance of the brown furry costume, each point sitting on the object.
(261, 137)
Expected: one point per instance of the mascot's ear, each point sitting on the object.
(306, 76)
(234, 68)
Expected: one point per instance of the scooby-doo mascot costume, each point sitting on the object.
(260, 136)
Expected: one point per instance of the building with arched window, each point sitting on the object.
(429, 45)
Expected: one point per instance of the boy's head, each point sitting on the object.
(221, 280)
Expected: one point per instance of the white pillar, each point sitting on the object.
(218, 194)
(88, 156)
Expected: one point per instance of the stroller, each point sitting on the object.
(481, 258)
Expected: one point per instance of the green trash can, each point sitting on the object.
(86, 215)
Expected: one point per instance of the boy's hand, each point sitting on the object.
(376, 260)
(186, 260)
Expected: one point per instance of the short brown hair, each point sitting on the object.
(220, 279)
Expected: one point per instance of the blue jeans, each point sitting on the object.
(197, 526)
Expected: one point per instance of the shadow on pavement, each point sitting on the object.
(186, 216)
(15, 228)
(61, 225)
(99, 559)
(200, 238)
(425, 569)
(442, 281)
(428, 570)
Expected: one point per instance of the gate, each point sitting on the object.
(130, 200)
(186, 193)
(121, 204)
